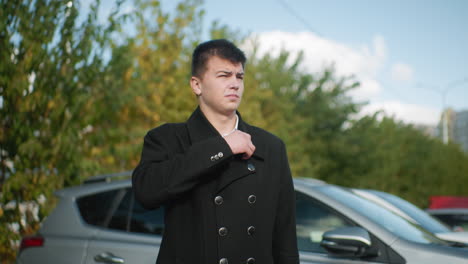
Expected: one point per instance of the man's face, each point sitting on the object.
(221, 86)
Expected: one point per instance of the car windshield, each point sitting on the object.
(423, 218)
(385, 218)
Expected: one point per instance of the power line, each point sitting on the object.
(298, 17)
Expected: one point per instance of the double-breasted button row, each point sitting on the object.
(223, 231)
(248, 261)
(217, 156)
(218, 200)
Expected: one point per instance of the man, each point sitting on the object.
(225, 185)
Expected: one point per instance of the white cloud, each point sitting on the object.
(364, 63)
(408, 113)
(402, 72)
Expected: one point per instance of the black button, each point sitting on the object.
(223, 231)
(250, 261)
(223, 261)
(252, 198)
(250, 167)
(251, 230)
(218, 200)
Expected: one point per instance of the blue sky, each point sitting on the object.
(405, 53)
(408, 52)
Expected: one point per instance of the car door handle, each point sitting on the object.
(107, 257)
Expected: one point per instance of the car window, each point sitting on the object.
(312, 220)
(387, 219)
(131, 216)
(423, 218)
(121, 216)
(458, 222)
(147, 221)
(95, 208)
(118, 210)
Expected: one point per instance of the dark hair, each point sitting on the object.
(218, 47)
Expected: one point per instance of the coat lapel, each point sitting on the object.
(238, 167)
(200, 128)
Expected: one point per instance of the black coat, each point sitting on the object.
(219, 208)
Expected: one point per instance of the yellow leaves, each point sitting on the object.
(51, 104)
(161, 20)
(109, 159)
(95, 151)
(128, 75)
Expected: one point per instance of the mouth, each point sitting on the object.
(232, 96)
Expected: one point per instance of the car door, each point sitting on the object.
(313, 218)
(131, 234)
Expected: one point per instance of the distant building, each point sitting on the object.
(460, 129)
(428, 130)
(457, 127)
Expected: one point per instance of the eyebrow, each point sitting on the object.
(229, 72)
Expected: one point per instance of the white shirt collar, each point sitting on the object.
(235, 127)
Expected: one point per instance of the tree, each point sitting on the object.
(395, 157)
(50, 85)
(154, 82)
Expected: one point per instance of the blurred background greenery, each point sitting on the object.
(78, 95)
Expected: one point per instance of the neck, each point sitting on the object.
(223, 123)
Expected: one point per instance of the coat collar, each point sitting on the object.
(200, 128)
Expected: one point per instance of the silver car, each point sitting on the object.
(456, 218)
(413, 214)
(103, 223)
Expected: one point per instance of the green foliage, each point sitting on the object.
(394, 157)
(152, 83)
(50, 84)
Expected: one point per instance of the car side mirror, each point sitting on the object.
(348, 242)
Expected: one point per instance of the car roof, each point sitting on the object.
(90, 188)
(310, 182)
(448, 211)
(105, 182)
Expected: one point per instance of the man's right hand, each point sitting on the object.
(240, 143)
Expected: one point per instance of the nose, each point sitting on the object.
(235, 83)
(234, 86)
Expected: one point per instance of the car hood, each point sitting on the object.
(430, 253)
(461, 237)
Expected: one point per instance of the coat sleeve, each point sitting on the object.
(163, 173)
(284, 237)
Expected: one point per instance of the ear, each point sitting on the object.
(196, 85)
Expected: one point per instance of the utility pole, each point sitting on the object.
(443, 91)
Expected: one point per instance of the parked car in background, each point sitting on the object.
(452, 210)
(456, 218)
(413, 214)
(103, 223)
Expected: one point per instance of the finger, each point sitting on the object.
(249, 152)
